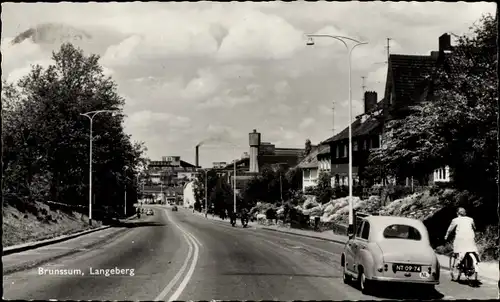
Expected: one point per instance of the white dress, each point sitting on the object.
(464, 235)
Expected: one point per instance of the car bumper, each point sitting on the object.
(399, 280)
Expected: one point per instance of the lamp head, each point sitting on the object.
(310, 41)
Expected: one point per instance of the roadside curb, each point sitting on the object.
(444, 266)
(304, 235)
(36, 244)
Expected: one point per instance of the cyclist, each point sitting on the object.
(464, 228)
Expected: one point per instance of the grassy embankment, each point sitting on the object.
(37, 221)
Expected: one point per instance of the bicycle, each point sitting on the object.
(466, 268)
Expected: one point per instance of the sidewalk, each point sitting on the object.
(489, 270)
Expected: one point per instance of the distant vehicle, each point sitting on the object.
(149, 212)
(390, 249)
(174, 208)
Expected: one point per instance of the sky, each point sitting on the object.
(212, 72)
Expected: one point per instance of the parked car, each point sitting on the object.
(391, 249)
(149, 212)
(174, 208)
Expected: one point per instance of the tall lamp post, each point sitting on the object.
(206, 192)
(90, 115)
(342, 39)
(125, 168)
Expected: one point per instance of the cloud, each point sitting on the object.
(281, 109)
(202, 86)
(145, 119)
(260, 36)
(306, 123)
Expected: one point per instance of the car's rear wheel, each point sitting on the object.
(345, 277)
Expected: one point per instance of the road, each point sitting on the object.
(183, 256)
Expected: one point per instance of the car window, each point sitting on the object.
(366, 230)
(359, 228)
(401, 231)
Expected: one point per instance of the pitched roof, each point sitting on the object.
(359, 128)
(311, 160)
(408, 72)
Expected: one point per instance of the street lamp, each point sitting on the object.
(206, 192)
(125, 168)
(90, 115)
(310, 42)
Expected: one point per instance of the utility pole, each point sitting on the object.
(388, 48)
(281, 190)
(333, 118)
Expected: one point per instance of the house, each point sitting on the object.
(313, 164)
(409, 81)
(366, 136)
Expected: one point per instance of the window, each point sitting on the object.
(401, 231)
(341, 151)
(314, 173)
(365, 145)
(366, 230)
(345, 150)
(355, 146)
(307, 174)
(376, 142)
(337, 151)
(440, 173)
(358, 230)
(444, 173)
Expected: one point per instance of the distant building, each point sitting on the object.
(313, 164)
(262, 155)
(170, 171)
(219, 165)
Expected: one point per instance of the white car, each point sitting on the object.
(390, 249)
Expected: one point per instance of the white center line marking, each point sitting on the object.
(193, 256)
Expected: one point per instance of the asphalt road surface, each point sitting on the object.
(183, 256)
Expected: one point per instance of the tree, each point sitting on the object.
(457, 126)
(46, 138)
(323, 189)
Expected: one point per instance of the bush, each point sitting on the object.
(271, 214)
(340, 192)
(488, 243)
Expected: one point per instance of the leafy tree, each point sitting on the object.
(324, 190)
(46, 140)
(458, 125)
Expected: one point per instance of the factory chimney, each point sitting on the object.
(197, 159)
(254, 139)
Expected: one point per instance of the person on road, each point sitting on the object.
(464, 229)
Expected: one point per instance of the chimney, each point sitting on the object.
(370, 101)
(445, 43)
(197, 163)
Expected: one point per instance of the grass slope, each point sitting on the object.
(39, 223)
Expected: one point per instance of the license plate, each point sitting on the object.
(408, 268)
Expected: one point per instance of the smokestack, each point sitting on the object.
(197, 155)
